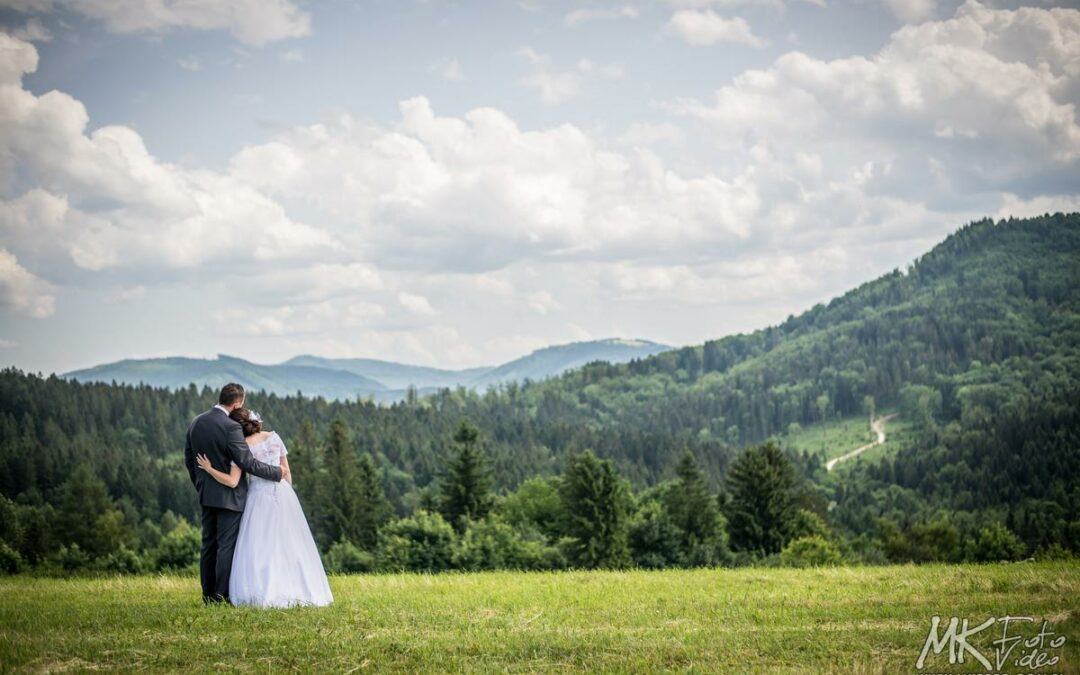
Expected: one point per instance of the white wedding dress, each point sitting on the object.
(276, 563)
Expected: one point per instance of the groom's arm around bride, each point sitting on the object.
(221, 439)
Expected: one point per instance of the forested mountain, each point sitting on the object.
(556, 360)
(394, 375)
(976, 343)
(287, 378)
(344, 379)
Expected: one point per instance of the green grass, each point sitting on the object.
(869, 619)
(898, 431)
(841, 436)
(833, 438)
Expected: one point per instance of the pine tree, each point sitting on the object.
(372, 510)
(339, 491)
(694, 513)
(305, 460)
(596, 506)
(86, 511)
(306, 463)
(466, 486)
(761, 512)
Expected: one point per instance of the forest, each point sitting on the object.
(675, 460)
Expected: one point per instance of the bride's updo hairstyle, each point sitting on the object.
(250, 422)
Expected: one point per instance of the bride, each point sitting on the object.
(276, 563)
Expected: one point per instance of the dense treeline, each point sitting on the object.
(977, 343)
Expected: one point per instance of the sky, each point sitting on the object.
(457, 183)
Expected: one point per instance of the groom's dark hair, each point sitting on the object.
(230, 393)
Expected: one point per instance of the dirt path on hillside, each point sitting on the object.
(878, 426)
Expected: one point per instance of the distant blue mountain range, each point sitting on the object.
(386, 381)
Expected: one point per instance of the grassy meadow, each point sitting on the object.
(840, 436)
(869, 619)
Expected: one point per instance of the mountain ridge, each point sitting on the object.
(383, 380)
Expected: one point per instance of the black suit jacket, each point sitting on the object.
(219, 437)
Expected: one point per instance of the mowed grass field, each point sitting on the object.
(863, 620)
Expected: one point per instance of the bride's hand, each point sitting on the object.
(203, 462)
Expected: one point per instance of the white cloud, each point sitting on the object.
(748, 280)
(477, 193)
(8, 344)
(316, 282)
(543, 303)
(555, 86)
(1016, 207)
(725, 4)
(298, 320)
(159, 215)
(734, 4)
(253, 22)
(825, 174)
(415, 303)
(989, 96)
(578, 333)
(434, 344)
(708, 28)
(611, 71)
(189, 64)
(643, 133)
(578, 17)
(130, 294)
(912, 11)
(293, 56)
(448, 69)
(22, 291)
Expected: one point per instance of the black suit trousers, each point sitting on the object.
(219, 530)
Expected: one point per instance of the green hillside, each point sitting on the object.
(976, 346)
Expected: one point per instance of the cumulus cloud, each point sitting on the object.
(708, 28)
(253, 22)
(977, 102)
(642, 133)
(828, 172)
(155, 215)
(477, 193)
(22, 291)
(415, 303)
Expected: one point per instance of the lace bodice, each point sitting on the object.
(271, 450)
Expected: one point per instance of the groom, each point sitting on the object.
(219, 437)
